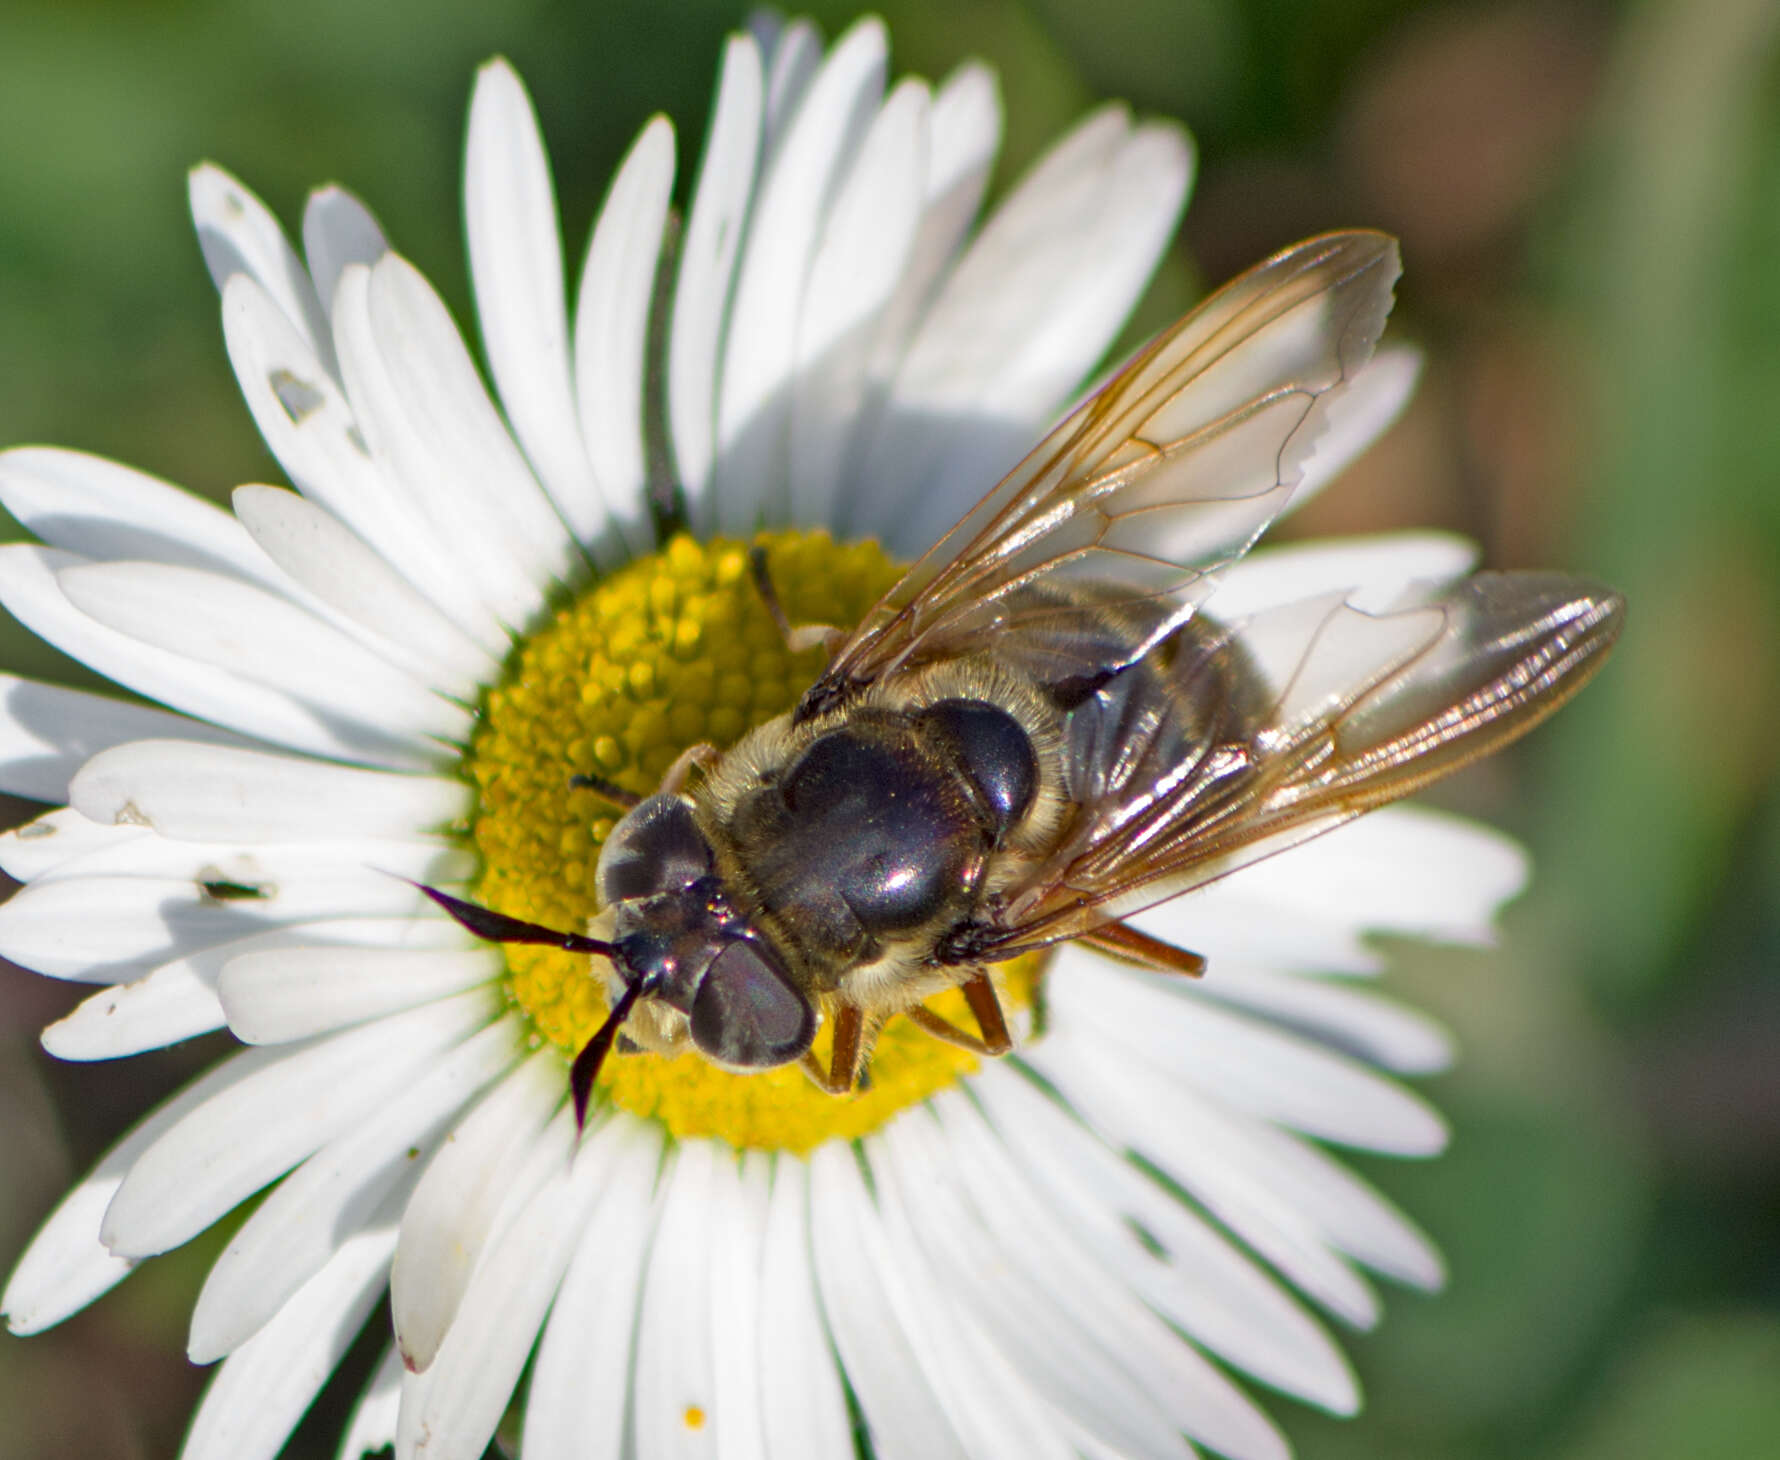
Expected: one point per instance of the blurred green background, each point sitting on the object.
(1589, 200)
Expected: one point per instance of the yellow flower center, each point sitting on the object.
(673, 649)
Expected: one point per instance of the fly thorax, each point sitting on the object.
(878, 831)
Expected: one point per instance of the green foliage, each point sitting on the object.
(1611, 1207)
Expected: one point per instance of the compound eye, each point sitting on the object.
(747, 1015)
(657, 847)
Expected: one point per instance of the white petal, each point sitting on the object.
(338, 230)
(276, 881)
(30, 591)
(674, 1365)
(48, 732)
(516, 266)
(966, 134)
(161, 987)
(426, 415)
(864, 248)
(998, 1414)
(1355, 649)
(227, 1149)
(707, 266)
(331, 561)
(753, 406)
(1036, 230)
(1195, 1394)
(456, 1205)
(1239, 1061)
(1184, 1269)
(1145, 189)
(268, 1384)
(450, 1412)
(1363, 411)
(239, 235)
(963, 136)
(1137, 1111)
(67, 1266)
(989, 368)
(314, 433)
(1090, 1347)
(1404, 869)
(578, 1404)
(105, 929)
(338, 1191)
(767, 26)
(57, 838)
(282, 995)
(1237, 932)
(1349, 1214)
(99, 509)
(865, 1298)
(195, 792)
(260, 636)
(1403, 1040)
(424, 928)
(170, 1004)
(373, 1423)
(1378, 569)
(791, 55)
(803, 1406)
(612, 314)
(738, 1200)
(179, 999)
(1146, 186)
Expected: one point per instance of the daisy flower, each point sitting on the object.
(389, 675)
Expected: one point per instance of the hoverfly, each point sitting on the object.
(1037, 732)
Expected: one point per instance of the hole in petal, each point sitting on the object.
(221, 889)
(299, 398)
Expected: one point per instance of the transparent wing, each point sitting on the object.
(1263, 734)
(1171, 470)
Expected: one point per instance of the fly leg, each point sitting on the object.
(851, 1051)
(985, 1005)
(1125, 943)
(703, 756)
(798, 637)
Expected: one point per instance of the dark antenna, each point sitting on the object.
(494, 927)
(586, 1068)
